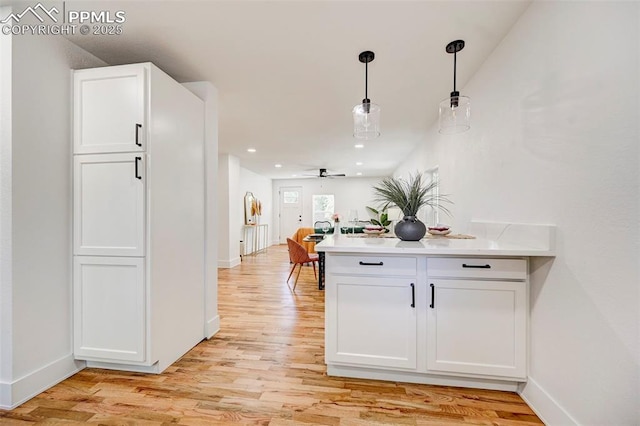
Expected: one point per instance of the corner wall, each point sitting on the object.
(262, 189)
(555, 139)
(230, 214)
(36, 214)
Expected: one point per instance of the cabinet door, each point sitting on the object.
(109, 308)
(477, 327)
(109, 204)
(371, 321)
(109, 109)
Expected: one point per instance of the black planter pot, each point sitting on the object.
(410, 229)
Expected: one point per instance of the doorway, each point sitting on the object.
(290, 211)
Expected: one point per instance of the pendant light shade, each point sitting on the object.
(455, 111)
(366, 116)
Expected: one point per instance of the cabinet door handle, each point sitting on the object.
(137, 171)
(413, 295)
(138, 127)
(433, 296)
(487, 266)
(371, 263)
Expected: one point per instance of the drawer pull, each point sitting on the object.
(138, 127)
(370, 263)
(487, 266)
(137, 172)
(413, 295)
(433, 296)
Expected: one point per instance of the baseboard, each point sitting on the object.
(227, 264)
(543, 404)
(15, 393)
(421, 378)
(149, 369)
(212, 327)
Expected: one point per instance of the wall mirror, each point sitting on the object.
(249, 208)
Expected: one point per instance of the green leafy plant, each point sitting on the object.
(380, 218)
(409, 195)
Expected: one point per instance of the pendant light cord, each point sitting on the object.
(454, 70)
(366, 79)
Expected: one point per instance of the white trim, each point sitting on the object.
(226, 264)
(543, 404)
(412, 377)
(212, 327)
(26, 387)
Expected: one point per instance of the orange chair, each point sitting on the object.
(299, 235)
(299, 255)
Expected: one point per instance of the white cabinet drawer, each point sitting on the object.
(462, 267)
(372, 265)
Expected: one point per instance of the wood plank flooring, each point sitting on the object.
(265, 367)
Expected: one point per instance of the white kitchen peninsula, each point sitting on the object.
(439, 311)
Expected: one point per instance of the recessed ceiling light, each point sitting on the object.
(294, 175)
(359, 174)
(278, 166)
(359, 145)
(359, 163)
(251, 150)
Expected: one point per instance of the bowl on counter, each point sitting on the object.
(439, 230)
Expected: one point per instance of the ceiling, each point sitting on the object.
(288, 73)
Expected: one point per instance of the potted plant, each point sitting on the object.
(379, 217)
(409, 196)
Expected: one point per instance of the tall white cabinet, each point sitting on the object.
(138, 218)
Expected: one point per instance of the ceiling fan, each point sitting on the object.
(322, 173)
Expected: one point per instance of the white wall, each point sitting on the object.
(230, 213)
(36, 214)
(555, 139)
(262, 189)
(349, 193)
(209, 94)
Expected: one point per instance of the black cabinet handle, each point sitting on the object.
(138, 127)
(137, 172)
(433, 296)
(487, 266)
(371, 264)
(413, 295)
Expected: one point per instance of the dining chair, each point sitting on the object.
(318, 224)
(299, 256)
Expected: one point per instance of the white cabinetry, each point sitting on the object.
(110, 109)
(138, 218)
(109, 207)
(104, 285)
(477, 317)
(371, 314)
(477, 324)
(449, 320)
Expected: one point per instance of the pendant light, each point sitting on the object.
(366, 116)
(455, 112)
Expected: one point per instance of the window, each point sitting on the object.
(290, 197)
(322, 207)
(432, 214)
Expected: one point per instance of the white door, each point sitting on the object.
(477, 327)
(109, 204)
(109, 110)
(371, 321)
(290, 212)
(109, 308)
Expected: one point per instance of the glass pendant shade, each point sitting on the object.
(366, 121)
(455, 119)
(455, 111)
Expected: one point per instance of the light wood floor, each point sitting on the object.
(265, 367)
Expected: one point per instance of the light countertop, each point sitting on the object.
(439, 246)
